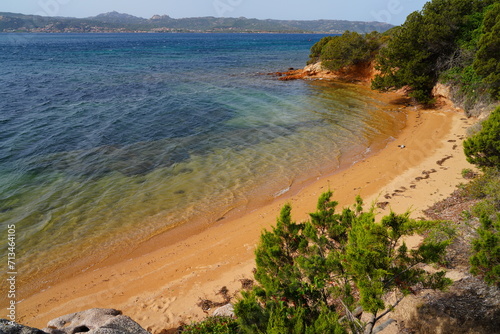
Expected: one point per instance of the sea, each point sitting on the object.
(109, 139)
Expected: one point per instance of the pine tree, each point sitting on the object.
(422, 48)
(313, 276)
(487, 61)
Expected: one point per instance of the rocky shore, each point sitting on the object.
(359, 73)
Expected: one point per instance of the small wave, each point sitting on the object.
(281, 192)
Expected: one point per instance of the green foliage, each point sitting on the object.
(487, 62)
(312, 275)
(473, 66)
(488, 189)
(471, 85)
(346, 50)
(487, 186)
(255, 317)
(316, 49)
(485, 260)
(483, 149)
(439, 41)
(336, 52)
(213, 325)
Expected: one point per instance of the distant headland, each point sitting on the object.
(117, 22)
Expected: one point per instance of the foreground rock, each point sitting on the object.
(224, 311)
(95, 321)
(6, 327)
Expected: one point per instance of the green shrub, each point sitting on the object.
(471, 87)
(213, 325)
(346, 50)
(316, 49)
(313, 275)
(483, 149)
(485, 261)
(487, 188)
(337, 52)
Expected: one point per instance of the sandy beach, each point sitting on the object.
(159, 283)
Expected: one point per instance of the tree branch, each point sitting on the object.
(390, 308)
(383, 326)
(353, 316)
(371, 324)
(386, 283)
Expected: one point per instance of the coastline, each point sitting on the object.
(160, 282)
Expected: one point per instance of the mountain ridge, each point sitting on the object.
(121, 22)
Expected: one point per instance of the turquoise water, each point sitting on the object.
(108, 139)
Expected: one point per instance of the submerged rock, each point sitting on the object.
(95, 321)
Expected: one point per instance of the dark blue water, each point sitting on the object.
(107, 138)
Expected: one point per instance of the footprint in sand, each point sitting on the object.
(427, 174)
(150, 308)
(440, 162)
(382, 205)
(399, 191)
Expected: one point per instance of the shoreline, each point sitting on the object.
(159, 283)
(66, 267)
(170, 230)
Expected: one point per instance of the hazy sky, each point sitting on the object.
(391, 11)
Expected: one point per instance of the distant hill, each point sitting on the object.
(115, 17)
(118, 22)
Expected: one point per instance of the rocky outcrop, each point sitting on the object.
(442, 91)
(95, 321)
(451, 95)
(362, 72)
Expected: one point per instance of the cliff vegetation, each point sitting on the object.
(456, 42)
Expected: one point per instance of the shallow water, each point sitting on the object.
(108, 139)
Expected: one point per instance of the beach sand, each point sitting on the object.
(159, 283)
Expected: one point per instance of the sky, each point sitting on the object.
(390, 11)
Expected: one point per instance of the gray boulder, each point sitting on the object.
(95, 321)
(224, 311)
(7, 327)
